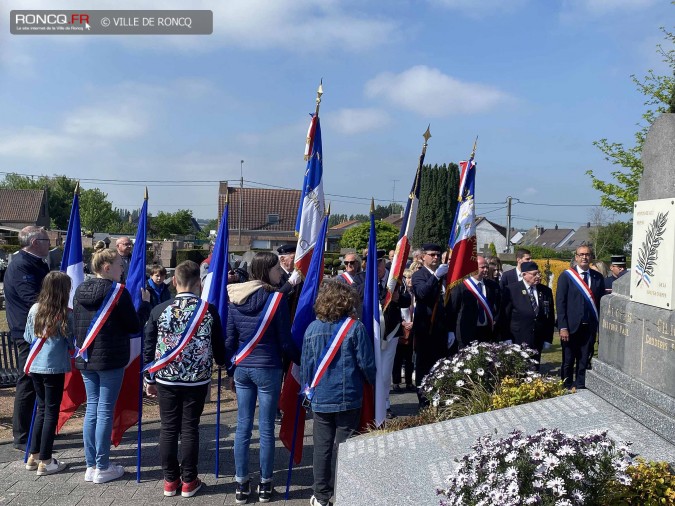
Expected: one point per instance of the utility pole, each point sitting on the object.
(241, 196)
(508, 224)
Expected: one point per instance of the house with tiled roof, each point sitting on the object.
(335, 233)
(554, 238)
(584, 236)
(21, 208)
(259, 218)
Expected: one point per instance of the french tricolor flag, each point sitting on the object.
(312, 203)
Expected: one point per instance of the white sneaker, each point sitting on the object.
(53, 467)
(89, 474)
(113, 472)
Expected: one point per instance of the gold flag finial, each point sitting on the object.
(372, 205)
(427, 134)
(146, 193)
(77, 188)
(328, 209)
(319, 92)
(475, 143)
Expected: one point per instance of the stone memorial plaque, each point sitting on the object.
(653, 254)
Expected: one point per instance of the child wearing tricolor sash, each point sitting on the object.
(181, 340)
(337, 359)
(49, 331)
(258, 336)
(104, 317)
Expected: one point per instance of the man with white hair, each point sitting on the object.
(124, 247)
(23, 280)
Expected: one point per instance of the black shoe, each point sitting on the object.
(20, 447)
(243, 491)
(390, 414)
(411, 388)
(278, 417)
(397, 389)
(265, 491)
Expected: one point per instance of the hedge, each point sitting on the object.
(195, 255)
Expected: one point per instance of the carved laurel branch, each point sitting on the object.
(648, 252)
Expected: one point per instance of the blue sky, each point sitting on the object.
(537, 80)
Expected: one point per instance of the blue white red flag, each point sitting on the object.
(312, 204)
(215, 283)
(462, 243)
(71, 263)
(405, 237)
(126, 409)
(304, 315)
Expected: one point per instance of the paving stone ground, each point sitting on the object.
(19, 487)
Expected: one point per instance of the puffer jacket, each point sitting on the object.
(110, 349)
(247, 301)
(341, 386)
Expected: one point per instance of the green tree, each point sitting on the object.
(357, 237)
(359, 217)
(612, 239)
(96, 211)
(620, 196)
(438, 202)
(165, 224)
(336, 219)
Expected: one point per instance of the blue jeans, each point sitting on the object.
(264, 384)
(102, 388)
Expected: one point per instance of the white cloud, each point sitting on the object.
(600, 7)
(429, 92)
(474, 9)
(356, 121)
(530, 191)
(114, 121)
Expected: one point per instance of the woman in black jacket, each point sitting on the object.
(103, 358)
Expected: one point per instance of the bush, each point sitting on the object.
(652, 484)
(545, 468)
(195, 255)
(512, 391)
(478, 364)
(10, 248)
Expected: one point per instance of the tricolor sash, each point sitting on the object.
(101, 316)
(348, 278)
(482, 299)
(266, 317)
(186, 336)
(585, 290)
(35, 348)
(327, 355)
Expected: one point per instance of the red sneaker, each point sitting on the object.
(171, 487)
(190, 489)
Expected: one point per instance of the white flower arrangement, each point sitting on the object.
(547, 468)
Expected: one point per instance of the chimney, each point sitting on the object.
(556, 226)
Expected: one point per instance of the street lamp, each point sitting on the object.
(241, 191)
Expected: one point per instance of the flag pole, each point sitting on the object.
(220, 379)
(140, 394)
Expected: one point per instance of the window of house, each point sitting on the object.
(272, 219)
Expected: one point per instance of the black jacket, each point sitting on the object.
(431, 326)
(570, 302)
(520, 323)
(110, 349)
(463, 311)
(510, 276)
(22, 283)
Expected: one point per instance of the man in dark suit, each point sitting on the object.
(578, 304)
(430, 324)
(515, 275)
(528, 310)
(475, 308)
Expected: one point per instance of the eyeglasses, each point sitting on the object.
(350, 262)
(126, 244)
(433, 254)
(42, 240)
(584, 255)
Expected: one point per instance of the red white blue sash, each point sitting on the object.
(328, 354)
(585, 290)
(482, 300)
(268, 313)
(188, 333)
(106, 309)
(34, 350)
(347, 277)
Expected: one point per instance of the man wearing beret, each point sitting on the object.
(430, 325)
(291, 282)
(618, 268)
(475, 308)
(528, 316)
(577, 302)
